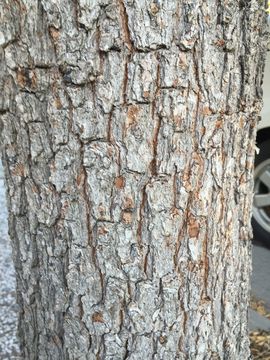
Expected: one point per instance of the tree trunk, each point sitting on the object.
(128, 133)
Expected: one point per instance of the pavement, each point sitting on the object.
(9, 348)
(260, 286)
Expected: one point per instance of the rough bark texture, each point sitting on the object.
(128, 134)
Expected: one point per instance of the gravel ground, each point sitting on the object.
(9, 348)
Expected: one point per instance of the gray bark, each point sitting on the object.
(128, 134)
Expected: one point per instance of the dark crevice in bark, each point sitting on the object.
(127, 61)
(109, 136)
(141, 216)
(125, 25)
(154, 165)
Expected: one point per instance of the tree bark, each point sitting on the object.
(128, 133)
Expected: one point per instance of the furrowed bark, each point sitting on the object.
(128, 134)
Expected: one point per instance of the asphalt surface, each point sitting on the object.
(8, 309)
(260, 285)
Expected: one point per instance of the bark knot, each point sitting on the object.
(127, 217)
(26, 78)
(98, 317)
(119, 182)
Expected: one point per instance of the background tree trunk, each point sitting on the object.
(128, 132)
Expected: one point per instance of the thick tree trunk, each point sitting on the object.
(128, 133)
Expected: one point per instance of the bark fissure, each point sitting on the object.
(125, 26)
